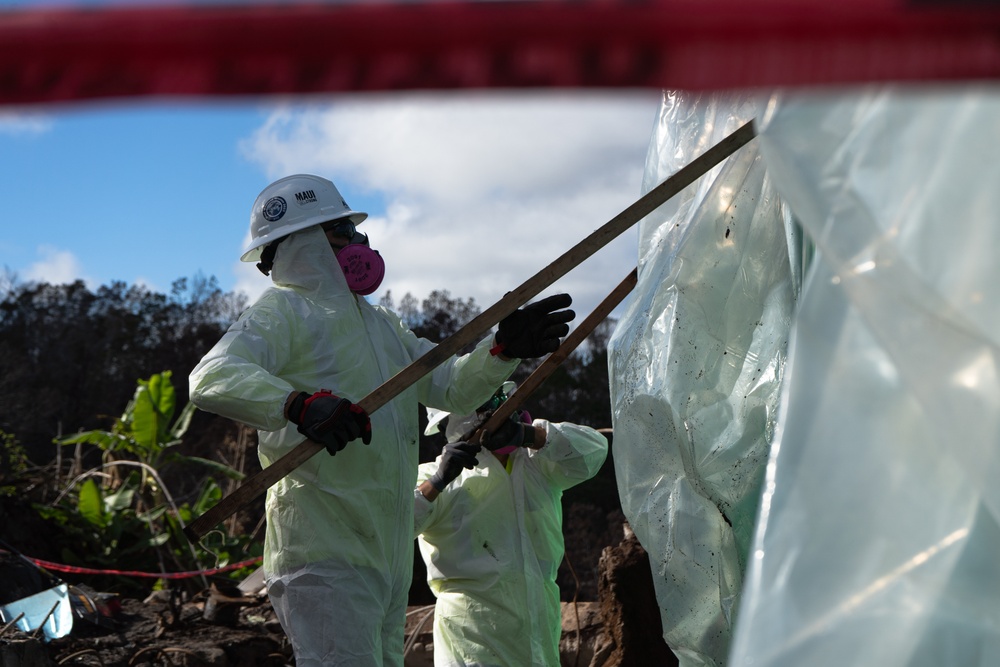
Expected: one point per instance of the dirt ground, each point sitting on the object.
(149, 634)
(156, 632)
(615, 623)
(621, 629)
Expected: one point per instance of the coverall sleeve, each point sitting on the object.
(462, 383)
(425, 511)
(233, 378)
(572, 453)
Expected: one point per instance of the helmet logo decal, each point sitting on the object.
(305, 197)
(274, 208)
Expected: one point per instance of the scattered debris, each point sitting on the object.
(93, 607)
(31, 599)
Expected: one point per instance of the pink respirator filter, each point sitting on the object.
(363, 267)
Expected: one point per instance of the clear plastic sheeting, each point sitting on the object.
(696, 365)
(879, 536)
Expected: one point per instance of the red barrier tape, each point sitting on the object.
(153, 575)
(56, 54)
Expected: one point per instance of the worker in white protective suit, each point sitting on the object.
(338, 553)
(489, 526)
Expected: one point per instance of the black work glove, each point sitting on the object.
(534, 330)
(512, 433)
(330, 420)
(457, 455)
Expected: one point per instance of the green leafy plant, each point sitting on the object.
(122, 515)
(148, 433)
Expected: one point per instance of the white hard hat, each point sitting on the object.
(458, 426)
(434, 419)
(291, 204)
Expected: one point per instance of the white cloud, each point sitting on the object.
(57, 267)
(448, 149)
(481, 191)
(19, 124)
(150, 285)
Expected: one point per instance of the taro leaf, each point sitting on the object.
(103, 439)
(210, 495)
(117, 502)
(180, 427)
(90, 504)
(218, 467)
(152, 409)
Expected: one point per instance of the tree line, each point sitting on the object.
(70, 356)
(70, 361)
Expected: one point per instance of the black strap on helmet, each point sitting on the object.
(266, 262)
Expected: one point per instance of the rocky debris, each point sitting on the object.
(24, 652)
(583, 635)
(585, 642)
(418, 651)
(586, 529)
(629, 608)
(229, 627)
(163, 631)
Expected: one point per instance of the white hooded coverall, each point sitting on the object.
(338, 550)
(493, 543)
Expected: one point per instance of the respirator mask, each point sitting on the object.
(363, 267)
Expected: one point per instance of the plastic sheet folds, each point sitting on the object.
(877, 525)
(696, 364)
(879, 535)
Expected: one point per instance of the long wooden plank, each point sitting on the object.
(552, 362)
(478, 326)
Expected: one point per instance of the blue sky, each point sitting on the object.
(144, 193)
(469, 192)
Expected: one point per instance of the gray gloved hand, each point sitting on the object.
(534, 330)
(330, 420)
(456, 457)
(512, 433)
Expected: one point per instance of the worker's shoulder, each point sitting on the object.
(578, 432)
(389, 316)
(274, 308)
(272, 299)
(570, 426)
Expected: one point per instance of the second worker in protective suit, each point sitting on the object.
(489, 526)
(339, 544)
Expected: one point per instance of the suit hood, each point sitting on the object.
(306, 263)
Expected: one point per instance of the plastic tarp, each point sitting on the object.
(696, 363)
(878, 541)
